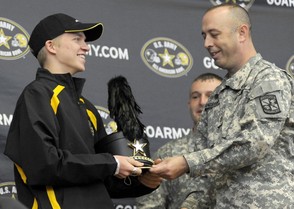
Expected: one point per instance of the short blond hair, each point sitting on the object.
(42, 55)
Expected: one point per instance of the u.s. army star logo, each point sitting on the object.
(270, 104)
(137, 147)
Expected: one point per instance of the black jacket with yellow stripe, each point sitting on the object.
(51, 142)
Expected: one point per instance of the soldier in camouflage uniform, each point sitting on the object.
(171, 194)
(247, 124)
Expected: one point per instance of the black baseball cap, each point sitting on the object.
(54, 25)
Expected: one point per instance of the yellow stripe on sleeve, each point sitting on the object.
(24, 179)
(92, 118)
(54, 100)
(35, 204)
(21, 173)
(52, 198)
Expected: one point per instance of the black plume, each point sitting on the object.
(124, 109)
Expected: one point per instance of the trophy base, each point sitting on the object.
(148, 162)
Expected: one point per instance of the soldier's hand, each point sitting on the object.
(171, 168)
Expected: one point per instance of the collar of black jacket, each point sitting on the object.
(74, 83)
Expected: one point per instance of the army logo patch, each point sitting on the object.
(167, 57)
(269, 104)
(13, 40)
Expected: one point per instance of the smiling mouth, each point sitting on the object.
(82, 56)
(213, 54)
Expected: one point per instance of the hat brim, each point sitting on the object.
(92, 31)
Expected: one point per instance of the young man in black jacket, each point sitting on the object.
(54, 130)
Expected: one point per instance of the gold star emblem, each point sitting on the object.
(167, 58)
(4, 39)
(137, 147)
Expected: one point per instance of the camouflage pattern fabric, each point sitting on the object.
(248, 128)
(171, 194)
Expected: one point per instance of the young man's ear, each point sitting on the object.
(50, 46)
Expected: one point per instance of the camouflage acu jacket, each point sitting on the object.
(248, 128)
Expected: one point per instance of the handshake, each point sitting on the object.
(169, 168)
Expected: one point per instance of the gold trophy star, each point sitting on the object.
(137, 147)
(4, 39)
(167, 58)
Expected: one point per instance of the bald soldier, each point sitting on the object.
(247, 124)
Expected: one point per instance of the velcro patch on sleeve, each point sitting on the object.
(269, 104)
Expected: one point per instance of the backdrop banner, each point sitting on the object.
(156, 44)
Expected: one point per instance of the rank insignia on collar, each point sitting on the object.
(269, 104)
